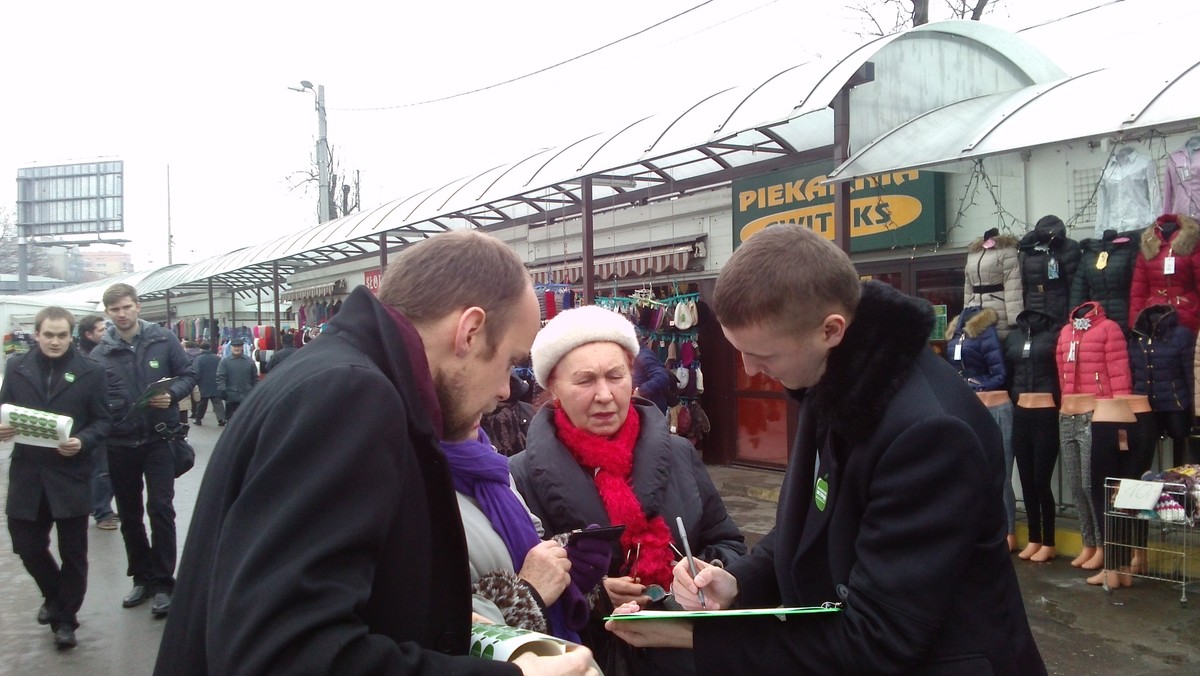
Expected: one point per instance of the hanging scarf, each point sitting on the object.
(611, 461)
(480, 472)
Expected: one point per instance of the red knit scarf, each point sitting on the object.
(611, 461)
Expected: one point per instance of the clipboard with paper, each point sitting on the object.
(154, 389)
(781, 613)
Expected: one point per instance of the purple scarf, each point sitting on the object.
(482, 473)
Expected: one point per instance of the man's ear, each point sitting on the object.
(835, 330)
(469, 330)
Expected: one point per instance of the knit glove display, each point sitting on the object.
(590, 558)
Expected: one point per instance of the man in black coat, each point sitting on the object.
(326, 537)
(892, 505)
(138, 354)
(206, 364)
(52, 485)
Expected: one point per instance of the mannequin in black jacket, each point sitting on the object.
(1029, 355)
(1105, 273)
(1048, 261)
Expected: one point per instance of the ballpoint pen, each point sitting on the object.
(687, 549)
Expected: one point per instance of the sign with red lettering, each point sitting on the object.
(371, 280)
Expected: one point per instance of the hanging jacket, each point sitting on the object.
(1105, 273)
(1029, 354)
(993, 280)
(1153, 285)
(1160, 356)
(1092, 356)
(1129, 194)
(1048, 263)
(974, 349)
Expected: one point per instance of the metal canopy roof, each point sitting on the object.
(1122, 102)
(727, 134)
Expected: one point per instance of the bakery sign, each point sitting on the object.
(896, 209)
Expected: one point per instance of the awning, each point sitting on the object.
(646, 262)
(1120, 102)
(314, 291)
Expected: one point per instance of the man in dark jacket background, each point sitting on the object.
(326, 537)
(892, 505)
(51, 486)
(91, 332)
(138, 354)
(236, 376)
(206, 364)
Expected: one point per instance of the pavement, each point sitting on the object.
(1080, 629)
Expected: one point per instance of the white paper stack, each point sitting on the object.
(36, 428)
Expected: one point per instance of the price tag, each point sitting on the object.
(1134, 494)
(1071, 353)
(1028, 348)
(958, 351)
(1169, 265)
(1102, 260)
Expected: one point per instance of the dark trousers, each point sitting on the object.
(151, 561)
(230, 408)
(1176, 426)
(1035, 447)
(1143, 441)
(202, 408)
(102, 491)
(63, 588)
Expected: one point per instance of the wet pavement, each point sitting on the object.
(1140, 630)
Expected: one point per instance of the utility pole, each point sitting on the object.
(170, 239)
(325, 200)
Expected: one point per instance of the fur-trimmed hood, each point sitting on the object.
(889, 331)
(1184, 242)
(1002, 242)
(975, 320)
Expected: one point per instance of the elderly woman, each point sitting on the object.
(599, 455)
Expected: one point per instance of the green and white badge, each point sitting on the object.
(69, 377)
(153, 363)
(821, 493)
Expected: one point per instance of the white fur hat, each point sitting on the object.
(580, 326)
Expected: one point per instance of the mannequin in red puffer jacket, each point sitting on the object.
(1092, 354)
(1168, 269)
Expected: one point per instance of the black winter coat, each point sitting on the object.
(326, 537)
(1048, 264)
(669, 480)
(888, 416)
(80, 390)
(1161, 351)
(1105, 274)
(158, 354)
(206, 365)
(1035, 369)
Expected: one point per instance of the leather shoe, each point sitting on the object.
(44, 614)
(137, 596)
(161, 604)
(64, 637)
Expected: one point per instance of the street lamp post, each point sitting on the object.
(325, 202)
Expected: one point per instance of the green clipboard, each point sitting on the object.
(736, 612)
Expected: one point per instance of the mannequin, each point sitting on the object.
(1167, 269)
(1181, 193)
(1161, 355)
(1129, 195)
(1075, 439)
(1001, 408)
(1029, 355)
(1143, 437)
(973, 348)
(1048, 261)
(1110, 418)
(1105, 274)
(993, 278)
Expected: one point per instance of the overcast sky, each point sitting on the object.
(203, 88)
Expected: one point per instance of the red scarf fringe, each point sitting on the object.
(611, 461)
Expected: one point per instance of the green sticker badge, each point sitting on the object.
(69, 377)
(153, 363)
(821, 493)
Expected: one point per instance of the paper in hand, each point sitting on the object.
(36, 428)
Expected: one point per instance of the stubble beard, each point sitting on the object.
(457, 422)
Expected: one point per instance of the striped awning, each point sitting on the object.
(314, 291)
(647, 262)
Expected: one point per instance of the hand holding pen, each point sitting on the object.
(720, 587)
